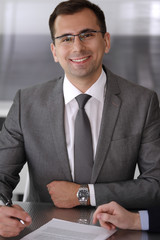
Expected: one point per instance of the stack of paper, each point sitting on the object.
(64, 230)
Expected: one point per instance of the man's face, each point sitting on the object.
(80, 59)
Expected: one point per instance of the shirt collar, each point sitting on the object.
(96, 90)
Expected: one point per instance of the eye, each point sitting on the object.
(87, 35)
(67, 39)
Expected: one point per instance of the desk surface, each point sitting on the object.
(41, 213)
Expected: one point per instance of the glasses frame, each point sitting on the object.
(80, 35)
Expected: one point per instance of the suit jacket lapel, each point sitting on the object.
(56, 111)
(110, 114)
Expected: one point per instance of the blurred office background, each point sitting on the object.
(25, 57)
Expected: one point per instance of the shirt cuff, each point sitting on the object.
(144, 220)
(92, 195)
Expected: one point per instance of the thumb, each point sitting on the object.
(106, 221)
(105, 217)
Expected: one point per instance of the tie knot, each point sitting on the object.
(82, 100)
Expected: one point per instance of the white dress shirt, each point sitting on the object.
(93, 108)
(144, 219)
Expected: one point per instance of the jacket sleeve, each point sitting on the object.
(154, 219)
(143, 192)
(12, 154)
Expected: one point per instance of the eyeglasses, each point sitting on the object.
(68, 39)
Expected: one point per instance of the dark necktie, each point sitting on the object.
(83, 148)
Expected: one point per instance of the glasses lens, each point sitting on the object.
(87, 36)
(66, 39)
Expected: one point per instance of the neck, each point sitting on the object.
(83, 86)
(84, 83)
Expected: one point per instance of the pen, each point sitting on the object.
(8, 202)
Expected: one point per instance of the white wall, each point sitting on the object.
(123, 17)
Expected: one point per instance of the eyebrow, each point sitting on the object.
(87, 30)
(82, 31)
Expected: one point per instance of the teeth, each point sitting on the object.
(79, 60)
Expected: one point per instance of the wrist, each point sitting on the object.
(136, 223)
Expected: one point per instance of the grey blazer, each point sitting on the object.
(130, 133)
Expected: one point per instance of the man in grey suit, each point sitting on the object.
(39, 129)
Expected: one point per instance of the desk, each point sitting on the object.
(41, 213)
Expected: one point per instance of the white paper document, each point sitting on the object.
(64, 230)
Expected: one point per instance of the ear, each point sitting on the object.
(53, 50)
(107, 42)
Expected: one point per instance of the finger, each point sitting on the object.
(24, 216)
(7, 213)
(107, 225)
(108, 218)
(98, 210)
(12, 223)
(101, 209)
(99, 213)
(95, 219)
(105, 217)
(51, 184)
(109, 207)
(51, 188)
(8, 231)
(10, 227)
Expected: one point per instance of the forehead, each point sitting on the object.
(74, 23)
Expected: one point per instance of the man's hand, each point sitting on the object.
(63, 194)
(9, 225)
(112, 215)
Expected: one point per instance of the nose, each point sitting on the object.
(78, 44)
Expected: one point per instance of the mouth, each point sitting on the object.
(80, 60)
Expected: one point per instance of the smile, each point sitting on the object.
(80, 60)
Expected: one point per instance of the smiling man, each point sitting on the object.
(83, 133)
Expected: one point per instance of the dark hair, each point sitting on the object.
(73, 6)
